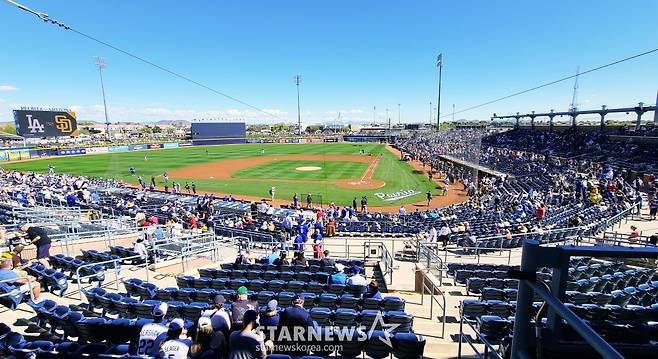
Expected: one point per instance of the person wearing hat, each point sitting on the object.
(207, 342)
(294, 318)
(270, 317)
(339, 276)
(243, 258)
(152, 334)
(246, 343)
(8, 275)
(357, 278)
(175, 344)
(219, 317)
(241, 306)
(38, 237)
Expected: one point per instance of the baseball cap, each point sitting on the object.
(160, 310)
(298, 299)
(177, 324)
(204, 322)
(272, 304)
(242, 290)
(250, 316)
(219, 299)
(340, 267)
(357, 269)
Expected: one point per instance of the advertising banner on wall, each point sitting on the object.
(137, 147)
(170, 145)
(118, 149)
(95, 150)
(42, 153)
(22, 154)
(4, 155)
(155, 146)
(71, 151)
(330, 140)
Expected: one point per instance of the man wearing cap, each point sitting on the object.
(219, 317)
(295, 317)
(39, 238)
(270, 317)
(7, 275)
(152, 334)
(240, 306)
(339, 276)
(174, 346)
(247, 344)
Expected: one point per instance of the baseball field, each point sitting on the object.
(330, 172)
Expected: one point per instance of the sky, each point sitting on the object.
(356, 58)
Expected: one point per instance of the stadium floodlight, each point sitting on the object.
(298, 80)
(439, 64)
(100, 63)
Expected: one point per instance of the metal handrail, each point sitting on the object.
(489, 349)
(116, 271)
(432, 292)
(433, 260)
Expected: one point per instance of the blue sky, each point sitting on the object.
(352, 55)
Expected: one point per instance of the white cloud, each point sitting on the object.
(123, 114)
(7, 88)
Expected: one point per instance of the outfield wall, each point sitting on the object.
(19, 154)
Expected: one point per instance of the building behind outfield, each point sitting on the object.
(218, 133)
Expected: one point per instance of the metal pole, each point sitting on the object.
(399, 115)
(438, 106)
(431, 117)
(524, 300)
(100, 62)
(298, 80)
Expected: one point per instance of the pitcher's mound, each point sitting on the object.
(308, 168)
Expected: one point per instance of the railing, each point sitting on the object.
(489, 350)
(386, 259)
(185, 247)
(432, 290)
(115, 266)
(557, 258)
(617, 239)
(429, 255)
(230, 232)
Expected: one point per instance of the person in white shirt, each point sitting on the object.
(152, 334)
(444, 234)
(357, 278)
(432, 235)
(402, 211)
(140, 248)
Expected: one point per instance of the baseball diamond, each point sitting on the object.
(338, 171)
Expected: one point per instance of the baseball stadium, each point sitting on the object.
(179, 200)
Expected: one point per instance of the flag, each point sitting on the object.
(439, 60)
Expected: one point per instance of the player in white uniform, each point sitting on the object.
(152, 334)
(173, 346)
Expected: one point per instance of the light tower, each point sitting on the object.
(399, 116)
(439, 64)
(100, 63)
(298, 80)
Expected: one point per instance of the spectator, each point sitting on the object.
(246, 343)
(444, 234)
(219, 317)
(300, 260)
(140, 248)
(208, 344)
(635, 234)
(240, 307)
(15, 256)
(318, 242)
(373, 290)
(273, 256)
(295, 319)
(339, 276)
(357, 278)
(7, 275)
(175, 345)
(242, 258)
(38, 237)
(327, 262)
(331, 227)
(283, 261)
(152, 334)
(270, 317)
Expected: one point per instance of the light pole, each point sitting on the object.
(431, 112)
(298, 80)
(453, 112)
(399, 117)
(439, 64)
(100, 63)
(374, 114)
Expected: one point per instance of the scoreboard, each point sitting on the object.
(39, 124)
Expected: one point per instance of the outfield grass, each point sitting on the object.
(285, 169)
(397, 174)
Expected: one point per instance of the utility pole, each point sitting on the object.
(439, 64)
(389, 126)
(399, 116)
(100, 63)
(453, 112)
(298, 80)
(374, 114)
